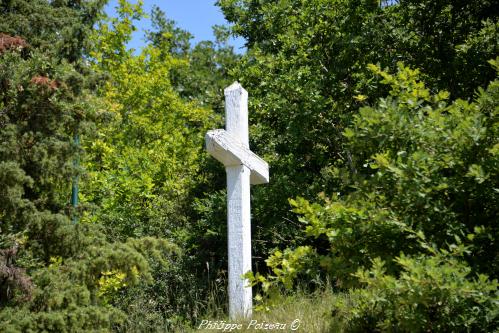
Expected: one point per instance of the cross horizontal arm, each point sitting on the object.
(231, 152)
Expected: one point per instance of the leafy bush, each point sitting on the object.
(52, 270)
(425, 177)
(142, 178)
(432, 294)
(306, 71)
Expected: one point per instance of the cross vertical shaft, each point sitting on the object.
(243, 167)
(238, 206)
(239, 240)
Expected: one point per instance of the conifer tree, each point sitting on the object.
(54, 274)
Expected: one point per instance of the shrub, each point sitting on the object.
(424, 177)
(432, 294)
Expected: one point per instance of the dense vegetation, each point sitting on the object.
(379, 120)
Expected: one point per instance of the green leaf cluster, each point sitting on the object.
(142, 173)
(426, 180)
(50, 268)
(145, 162)
(307, 73)
(432, 294)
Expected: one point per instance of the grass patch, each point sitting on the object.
(309, 313)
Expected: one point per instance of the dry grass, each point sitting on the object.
(308, 313)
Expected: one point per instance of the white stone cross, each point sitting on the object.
(231, 147)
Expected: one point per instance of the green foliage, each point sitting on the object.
(141, 175)
(410, 168)
(286, 266)
(306, 71)
(69, 294)
(63, 25)
(50, 268)
(426, 176)
(203, 70)
(167, 36)
(110, 39)
(145, 164)
(431, 294)
(426, 160)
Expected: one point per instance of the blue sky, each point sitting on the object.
(195, 16)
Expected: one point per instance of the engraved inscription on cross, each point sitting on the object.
(243, 167)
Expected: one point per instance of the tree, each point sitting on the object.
(306, 71)
(146, 161)
(204, 69)
(422, 211)
(142, 174)
(415, 180)
(52, 272)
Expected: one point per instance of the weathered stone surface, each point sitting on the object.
(229, 151)
(243, 167)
